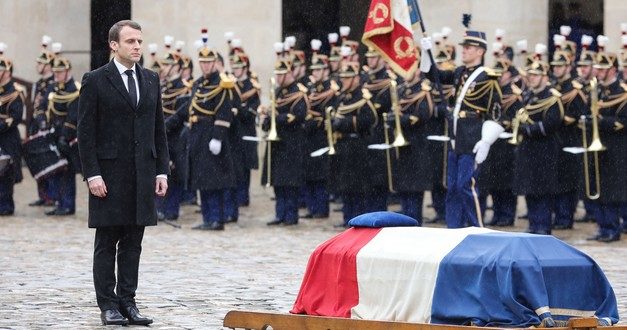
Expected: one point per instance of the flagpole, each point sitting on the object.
(436, 75)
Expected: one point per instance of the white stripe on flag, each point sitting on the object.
(397, 270)
(400, 13)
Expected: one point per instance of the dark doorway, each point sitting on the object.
(105, 13)
(583, 16)
(308, 20)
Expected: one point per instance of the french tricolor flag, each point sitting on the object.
(389, 30)
(452, 276)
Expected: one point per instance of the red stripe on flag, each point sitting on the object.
(329, 286)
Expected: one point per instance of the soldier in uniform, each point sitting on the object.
(612, 161)
(352, 122)
(497, 172)
(283, 159)
(537, 155)
(210, 113)
(472, 128)
(40, 95)
(413, 168)
(322, 94)
(174, 94)
(573, 101)
(62, 114)
(11, 109)
(377, 81)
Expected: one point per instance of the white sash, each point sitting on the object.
(460, 97)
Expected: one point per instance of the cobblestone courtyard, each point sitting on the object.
(188, 279)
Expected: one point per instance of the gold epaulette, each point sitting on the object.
(365, 68)
(78, 85)
(255, 83)
(188, 84)
(516, 90)
(624, 86)
(576, 84)
(426, 85)
(254, 76)
(366, 94)
(491, 73)
(334, 86)
(555, 92)
(302, 88)
(226, 82)
(19, 87)
(51, 96)
(391, 74)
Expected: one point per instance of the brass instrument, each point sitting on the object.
(387, 152)
(595, 145)
(445, 158)
(399, 139)
(521, 117)
(329, 129)
(272, 135)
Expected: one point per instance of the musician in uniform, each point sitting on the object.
(537, 155)
(174, 93)
(62, 115)
(40, 95)
(497, 172)
(472, 128)
(322, 94)
(283, 159)
(377, 81)
(612, 161)
(413, 167)
(210, 112)
(11, 109)
(573, 101)
(352, 122)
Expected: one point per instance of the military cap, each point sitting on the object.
(319, 61)
(475, 38)
(442, 54)
(501, 65)
(349, 69)
(538, 67)
(206, 54)
(604, 60)
(5, 64)
(240, 60)
(586, 57)
(298, 58)
(561, 57)
(372, 52)
(172, 58)
(60, 64)
(336, 54)
(282, 66)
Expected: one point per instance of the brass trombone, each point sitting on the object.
(521, 117)
(595, 145)
(329, 130)
(272, 134)
(399, 139)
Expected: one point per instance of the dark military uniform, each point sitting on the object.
(286, 155)
(496, 174)
(480, 104)
(537, 156)
(378, 85)
(573, 100)
(412, 169)
(11, 108)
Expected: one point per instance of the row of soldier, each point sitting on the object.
(331, 131)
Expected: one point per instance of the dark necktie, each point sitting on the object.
(132, 91)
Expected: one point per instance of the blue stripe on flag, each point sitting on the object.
(414, 13)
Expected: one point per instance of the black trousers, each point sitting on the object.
(123, 243)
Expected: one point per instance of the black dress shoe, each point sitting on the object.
(608, 239)
(60, 212)
(341, 225)
(320, 215)
(307, 216)
(113, 317)
(201, 226)
(215, 225)
(290, 223)
(562, 227)
(504, 223)
(160, 216)
(594, 238)
(6, 212)
(230, 219)
(134, 317)
(39, 202)
(275, 222)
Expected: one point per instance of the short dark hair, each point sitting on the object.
(114, 32)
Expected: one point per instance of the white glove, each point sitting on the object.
(481, 150)
(425, 43)
(215, 146)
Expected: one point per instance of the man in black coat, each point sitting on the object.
(124, 155)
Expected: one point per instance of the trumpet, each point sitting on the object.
(272, 135)
(399, 139)
(594, 147)
(521, 117)
(329, 130)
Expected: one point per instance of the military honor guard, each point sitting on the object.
(322, 96)
(62, 114)
(351, 125)
(412, 108)
(573, 101)
(496, 174)
(283, 157)
(611, 118)
(11, 109)
(472, 126)
(535, 130)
